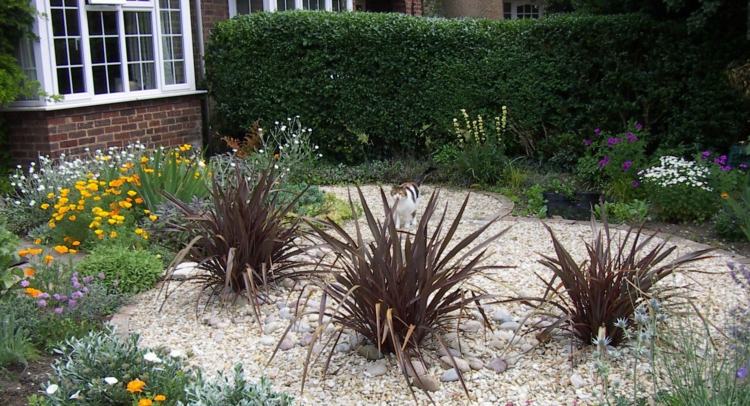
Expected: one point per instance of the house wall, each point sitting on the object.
(473, 8)
(166, 121)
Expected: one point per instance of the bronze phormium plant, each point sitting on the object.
(245, 239)
(615, 279)
(399, 288)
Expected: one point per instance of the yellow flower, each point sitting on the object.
(113, 234)
(145, 402)
(44, 206)
(72, 218)
(125, 204)
(144, 159)
(98, 232)
(61, 249)
(138, 231)
(138, 200)
(50, 195)
(38, 241)
(48, 259)
(160, 398)
(76, 243)
(23, 253)
(29, 272)
(35, 251)
(136, 386)
(153, 217)
(72, 251)
(132, 193)
(725, 195)
(33, 292)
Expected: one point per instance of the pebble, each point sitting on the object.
(462, 365)
(271, 327)
(287, 344)
(471, 326)
(577, 381)
(510, 325)
(501, 315)
(498, 365)
(419, 369)
(449, 376)
(475, 363)
(376, 368)
(267, 340)
(342, 347)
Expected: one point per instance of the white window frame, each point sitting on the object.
(271, 6)
(514, 7)
(46, 66)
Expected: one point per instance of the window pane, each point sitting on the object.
(67, 50)
(140, 50)
(97, 50)
(99, 73)
(243, 7)
(106, 62)
(113, 49)
(256, 6)
(172, 46)
(179, 72)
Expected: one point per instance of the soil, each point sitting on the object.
(702, 233)
(17, 383)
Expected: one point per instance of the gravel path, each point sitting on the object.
(550, 374)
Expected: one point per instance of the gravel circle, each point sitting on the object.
(515, 369)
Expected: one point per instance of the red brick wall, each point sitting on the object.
(165, 121)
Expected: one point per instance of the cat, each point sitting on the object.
(405, 198)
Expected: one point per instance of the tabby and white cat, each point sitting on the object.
(404, 200)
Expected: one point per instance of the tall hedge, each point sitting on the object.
(374, 85)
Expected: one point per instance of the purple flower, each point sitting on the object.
(41, 303)
(705, 154)
(102, 275)
(635, 184)
(24, 283)
(638, 126)
(57, 297)
(742, 373)
(587, 142)
(725, 168)
(63, 298)
(58, 310)
(44, 295)
(743, 166)
(626, 165)
(72, 303)
(631, 137)
(603, 162)
(76, 295)
(76, 285)
(85, 289)
(88, 279)
(720, 160)
(597, 131)
(612, 141)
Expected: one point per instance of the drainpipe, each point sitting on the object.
(201, 53)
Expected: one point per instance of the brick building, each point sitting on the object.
(119, 71)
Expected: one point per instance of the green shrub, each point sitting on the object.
(633, 212)
(239, 392)
(399, 92)
(15, 343)
(727, 224)
(536, 206)
(126, 270)
(86, 362)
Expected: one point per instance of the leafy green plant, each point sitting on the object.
(15, 343)
(125, 270)
(246, 239)
(173, 171)
(633, 212)
(536, 206)
(8, 259)
(238, 392)
(400, 288)
(102, 369)
(614, 280)
(727, 224)
(740, 207)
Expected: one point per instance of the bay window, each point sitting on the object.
(110, 50)
(237, 7)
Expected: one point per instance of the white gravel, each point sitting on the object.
(547, 374)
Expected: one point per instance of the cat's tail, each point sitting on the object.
(424, 175)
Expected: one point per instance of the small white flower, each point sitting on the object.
(152, 357)
(75, 395)
(51, 389)
(32, 203)
(260, 150)
(276, 167)
(111, 380)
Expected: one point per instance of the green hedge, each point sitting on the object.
(375, 85)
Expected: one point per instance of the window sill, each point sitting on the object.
(72, 104)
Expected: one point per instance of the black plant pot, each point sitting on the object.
(577, 207)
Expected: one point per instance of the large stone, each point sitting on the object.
(267, 340)
(577, 381)
(185, 270)
(376, 368)
(498, 365)
(427, 382)
(462, 365)
(475, 363)
(449, 376)
(370, 352)
(501, 315)
(287, 344)
(419, 369)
